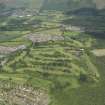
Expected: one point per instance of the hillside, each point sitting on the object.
(41, 52)
(52, 52)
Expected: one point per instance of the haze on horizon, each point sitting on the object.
(100, 4)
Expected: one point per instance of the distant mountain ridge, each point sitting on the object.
(54, 4)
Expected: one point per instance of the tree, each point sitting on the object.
(83, 77)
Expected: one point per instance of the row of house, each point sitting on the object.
(24, 13)
(72, 28)
(38, 38)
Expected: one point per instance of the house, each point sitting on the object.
(38, 38)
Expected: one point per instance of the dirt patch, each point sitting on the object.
(7, 50)
(99, 52)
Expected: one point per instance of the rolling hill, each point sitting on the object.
(50, 57)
